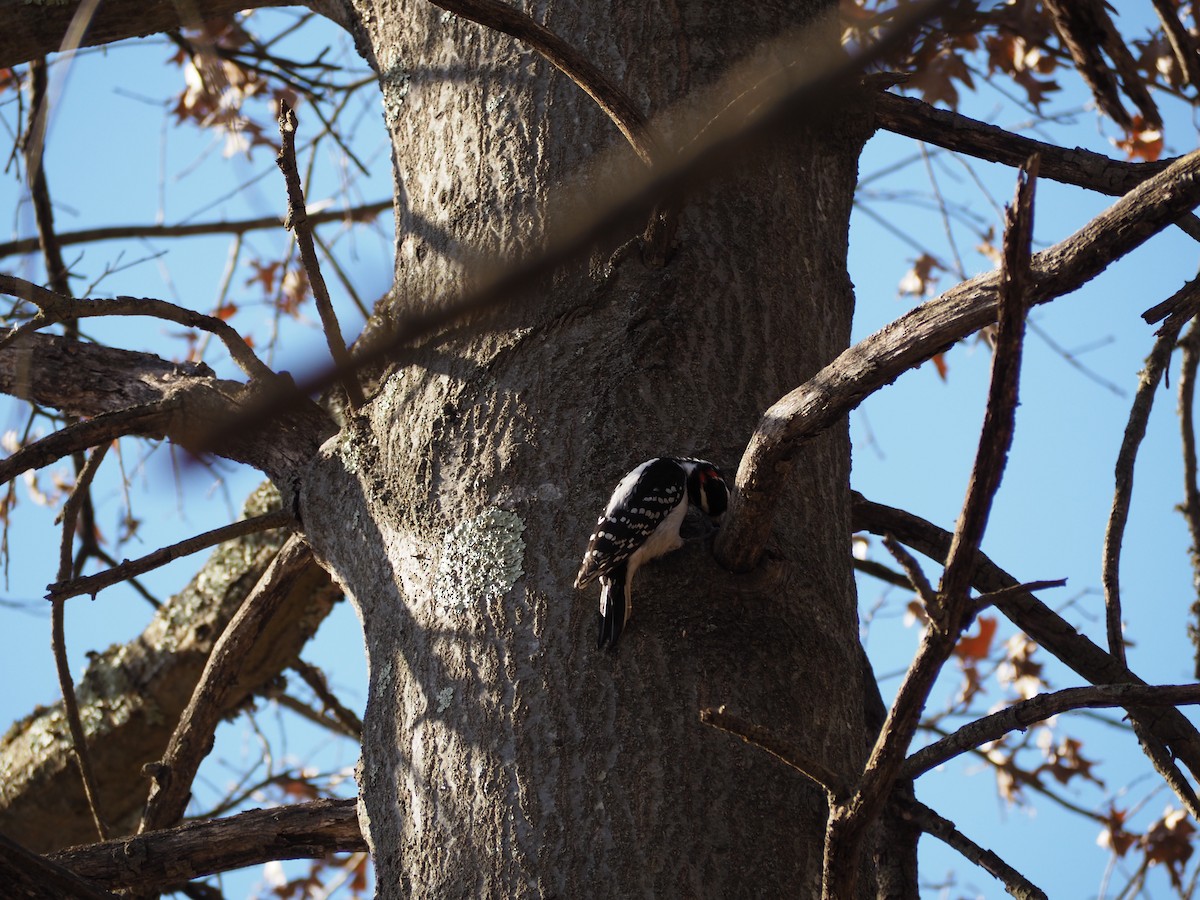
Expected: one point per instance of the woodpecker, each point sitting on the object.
(642, 522)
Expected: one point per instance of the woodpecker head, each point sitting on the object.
(706, 487)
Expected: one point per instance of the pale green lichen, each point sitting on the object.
(444, 697)
(481, 560)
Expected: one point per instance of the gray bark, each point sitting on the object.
(503, 756)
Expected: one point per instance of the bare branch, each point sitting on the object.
(35, 31)
(1086, 29)
(1037, 620)
(998, 420)
(921, 333)
(1020, 716)
(848, 822)
(944, 830)
(33, 144)
(882, 572)
(916, 119)
(58, 638)
(150, 420)
(986, 600)
(89, 380)
(1114, 533)
(1176, 309)
(93, 584)
(1190, 347)
(192, 739)
(1187, 56)
(172, 856)
(55, 307)
(912, 569)
(234, 227)
(315, 679)
(298, 223)
(756, 736)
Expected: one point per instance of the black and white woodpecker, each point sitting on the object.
(642, 522)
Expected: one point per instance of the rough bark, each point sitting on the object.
(503, 756)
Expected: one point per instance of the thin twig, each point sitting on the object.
(58, 639)
(1190, 362)
(882, 572)
(236, 227)
(756, 736)
(93, 584)
(985, 600)
(297, 222)
(912, 569)
(315, 679)
(1114, 533)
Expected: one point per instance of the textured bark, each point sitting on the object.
(132, 696)
(503, 756)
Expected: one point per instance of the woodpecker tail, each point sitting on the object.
(615, 608)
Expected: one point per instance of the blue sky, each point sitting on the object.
(113, 160)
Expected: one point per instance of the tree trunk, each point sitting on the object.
(503, 756)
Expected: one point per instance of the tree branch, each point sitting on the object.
(614, 102)
(297, 222)
(756, 736)
(944, 830)
(65, 589)
(58, 639)
(192, 739)
(234, 227)
(921, 333)
(89, 380)
(1190, 362)
(1037, 620)
(37, 29)
(158, 860)
(1020, 716)
(1114, 533)
(918, 120)
(29, 876)
(55, 307)
(849, 821)
(146, 421)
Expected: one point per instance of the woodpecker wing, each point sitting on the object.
(639, 504)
